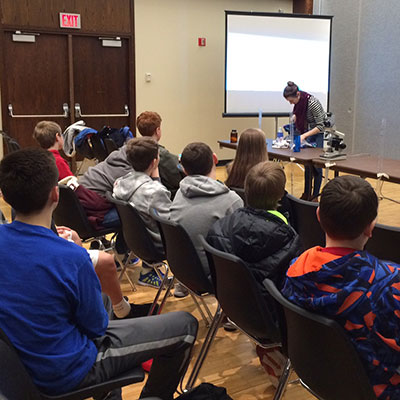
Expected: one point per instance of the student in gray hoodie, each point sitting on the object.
(201, 199)
(143, 189)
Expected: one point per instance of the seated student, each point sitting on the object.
(58, 324)
(48, 135)
(261, 237)
(201, 199)
(251, 150)
(149, 124)
(142, 188)
(99, 211)
(258, 233)
(346, 283)
(102, 176)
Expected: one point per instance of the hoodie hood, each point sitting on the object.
(125, 187)
(336, 283)
(201, 186)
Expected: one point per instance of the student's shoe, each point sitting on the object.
(150, 279)
(139, 310)
(180, 290)
(228, 325)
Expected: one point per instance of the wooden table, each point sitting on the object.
(364, 165)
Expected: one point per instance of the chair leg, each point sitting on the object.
(206, 308)
(283, 381)
(124, 271)
(167, 293)
(205, 319)
(160, 289)
(205, 347)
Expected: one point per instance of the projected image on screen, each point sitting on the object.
(263, 52)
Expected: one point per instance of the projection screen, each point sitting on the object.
(265, 50)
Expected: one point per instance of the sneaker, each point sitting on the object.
(139, 310)
(180, 290)
(150, 279)
(228, 325)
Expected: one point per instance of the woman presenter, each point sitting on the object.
(308, 117)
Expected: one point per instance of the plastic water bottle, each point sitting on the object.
(279, 135)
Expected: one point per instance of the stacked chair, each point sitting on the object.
(186, 266)
(322, 355)
(305, 222)
(140, 244)
(16, 384)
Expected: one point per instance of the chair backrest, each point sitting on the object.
(239, 295)
(99, 150)
(69, 212)
(11, 144)
(322, 354)
(383, 243)
(305, 222)
(15, 382)
(182, 256)
(110, 145)
(135, 233)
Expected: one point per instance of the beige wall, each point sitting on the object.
(187, 84)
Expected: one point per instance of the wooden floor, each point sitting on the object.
(232, 361)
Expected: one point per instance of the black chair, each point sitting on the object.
(186, 266)
(99, 151)
(322, 355)
(109, 145)
(305, 222)
(140, 243)
(16, 384)
(384, 243)
(69, 212)
(250, 312)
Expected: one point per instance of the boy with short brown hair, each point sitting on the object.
(48, 135)
(346, 283)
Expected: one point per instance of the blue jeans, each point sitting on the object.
(316, 173)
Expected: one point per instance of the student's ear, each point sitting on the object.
(318, 218)
(215, 159)
(158, 133)
(369, 228)
(54, 195)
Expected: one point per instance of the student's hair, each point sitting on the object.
(147, 123)
(140, 152)
(348, 204)
(197, 159)
(265, 185)
(26, 179)
(290, 90)
(251, 150)
(45, 133)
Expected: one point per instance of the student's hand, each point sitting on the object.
(69, 234)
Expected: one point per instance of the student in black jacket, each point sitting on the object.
(259, 234)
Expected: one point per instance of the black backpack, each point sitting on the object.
(205, 391)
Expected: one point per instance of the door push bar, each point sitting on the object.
(64, 115)
(78, 113)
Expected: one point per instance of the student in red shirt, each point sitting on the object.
(48, 135)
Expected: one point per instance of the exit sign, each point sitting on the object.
(68, 20)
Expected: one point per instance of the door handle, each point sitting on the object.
(78, 113)
(63, 115)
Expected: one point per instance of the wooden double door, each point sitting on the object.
(65, 78)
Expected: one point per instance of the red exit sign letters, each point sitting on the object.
(68, 20)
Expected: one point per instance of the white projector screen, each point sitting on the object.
(265, 50)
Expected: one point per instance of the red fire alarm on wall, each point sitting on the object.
(202, 41)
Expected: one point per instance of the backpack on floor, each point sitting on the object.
(205, 391)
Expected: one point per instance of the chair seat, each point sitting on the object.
(127, 378)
